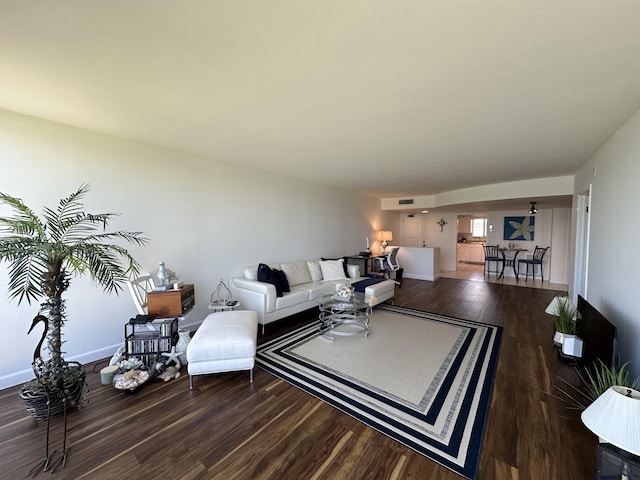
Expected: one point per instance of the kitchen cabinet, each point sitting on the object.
(470, 252)
(476, 255)
(464, 224)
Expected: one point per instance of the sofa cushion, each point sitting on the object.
(296, 272)
(266, 275)
(292, 298)
(314, 270)
(318, 289)
(333, 270)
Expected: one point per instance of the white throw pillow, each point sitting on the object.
(251, 273)
(297, 273)
(315, 270)
(332, 269)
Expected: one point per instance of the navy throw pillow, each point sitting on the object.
(282, 279)
(265, 274)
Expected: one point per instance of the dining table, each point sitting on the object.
(510, 257)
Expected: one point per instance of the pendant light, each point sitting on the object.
(533, 210)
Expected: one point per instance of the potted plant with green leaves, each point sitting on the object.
(43, 254)
(594, 381)
(565, 318)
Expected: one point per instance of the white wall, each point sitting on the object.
(552, 228)
(432, 235)
(206, 219)
(444, 238)
(560, 246)
(537, 187)
(613, 261)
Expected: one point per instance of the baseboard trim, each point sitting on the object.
(429, 278)
(23, 376)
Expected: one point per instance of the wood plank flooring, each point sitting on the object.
(228, 428)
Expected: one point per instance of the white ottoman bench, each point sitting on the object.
(380, 292)
(224, 342)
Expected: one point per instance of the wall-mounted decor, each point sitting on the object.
(442, 223)
(519, 228)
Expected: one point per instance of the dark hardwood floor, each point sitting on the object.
(228, 428)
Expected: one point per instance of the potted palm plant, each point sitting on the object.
(43, 254)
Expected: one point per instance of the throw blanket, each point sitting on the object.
(362, 284)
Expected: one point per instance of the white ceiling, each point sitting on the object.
(390, 98)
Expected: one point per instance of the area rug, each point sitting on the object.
(423, 379)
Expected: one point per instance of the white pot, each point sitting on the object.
(572, 345)
(558, 338)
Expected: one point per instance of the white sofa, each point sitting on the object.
(309, 280)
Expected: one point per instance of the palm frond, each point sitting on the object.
(103, 262)
(68, 213)
(133, 238)
(76, 242)
(82, 227)
(25, 222)
(25, 275)
(71, 206)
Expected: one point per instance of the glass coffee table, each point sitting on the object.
(344, 316)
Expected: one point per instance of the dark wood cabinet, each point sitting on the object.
(615, 464)
(171, 303)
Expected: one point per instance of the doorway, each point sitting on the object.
(413, 230)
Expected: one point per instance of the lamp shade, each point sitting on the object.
(386, 235)
(615, 417)
(558, 303)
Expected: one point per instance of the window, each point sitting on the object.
(478, 227)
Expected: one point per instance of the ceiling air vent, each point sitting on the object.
(408, 201)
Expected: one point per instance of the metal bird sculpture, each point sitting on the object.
(42, 370)
(38, 363)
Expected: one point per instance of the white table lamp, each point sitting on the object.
(385, 236)
(558, 302)
(615, 417)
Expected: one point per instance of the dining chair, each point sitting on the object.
(536, 259)
(492, 254)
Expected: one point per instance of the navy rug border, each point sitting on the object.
(470, 467)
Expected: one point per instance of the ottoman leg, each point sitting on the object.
(190, 382)
(251, 375)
